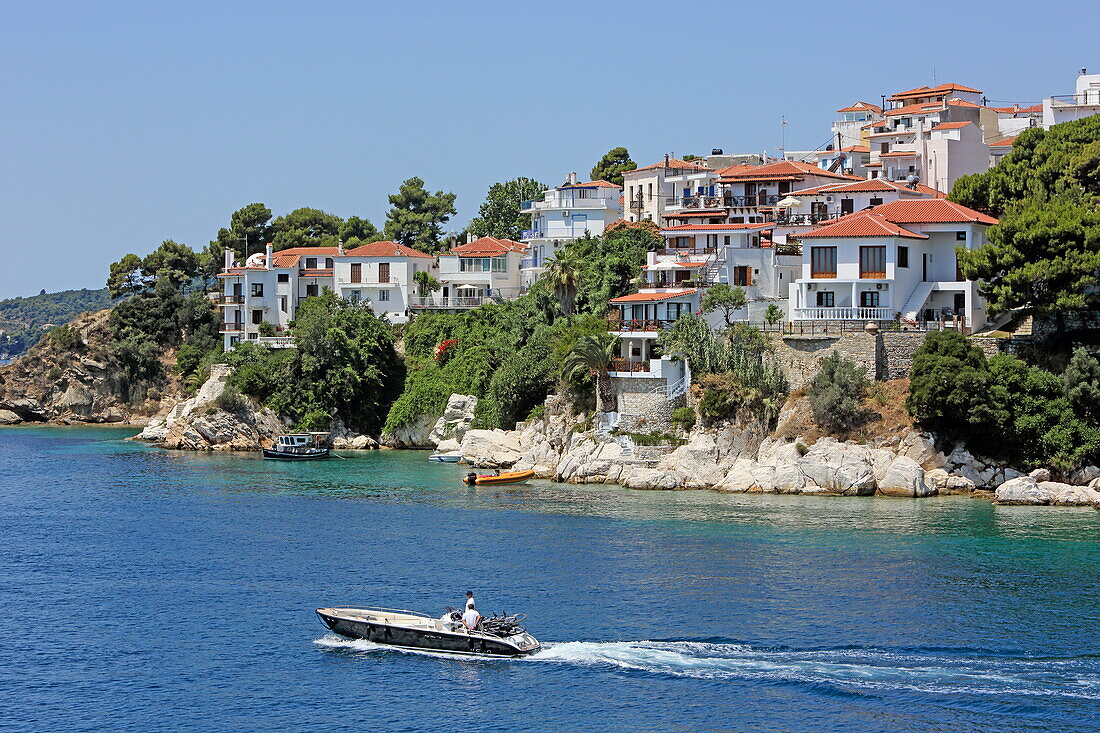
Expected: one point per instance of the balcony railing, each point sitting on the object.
(232, 327)
(688, 250)
(628, 365)
(276, 342)
(637, 324)
(528, 262)
(725, 201)
(843, 314)
(231, 299)
(1090, 97)
(532, 234)
(448, 303)
(637, 204)
(569, 202)
(807, 219)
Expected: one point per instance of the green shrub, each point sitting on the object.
(684, 417)
(266, 329)
(836, 393)
(801, 448)
(65, 338)
(230, 400)
(313, 421)
(655, 437)
(54, 374)
(877, 392)
(537, 412)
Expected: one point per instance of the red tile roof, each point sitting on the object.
(673, 163)
(385, 248)
(949, 126)
(1006, 143)
(899, 154)
(930, 211)
(650, 297)
(888, 133)
(717, 227)
(849, 149)
(317, 273)
(591, 184)
(488, 246)
(783, 170)
(868, 185)
(694, 214)
(936, 91)
(289, 257)
(916, 109)
(961, 103)
(862, 107)
(1017, 109)
(736, 168)
(863, 224)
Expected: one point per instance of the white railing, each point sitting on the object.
(448, 302)
(843, 314)
(672, 391)
(276, 342)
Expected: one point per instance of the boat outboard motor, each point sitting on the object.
(471, 478)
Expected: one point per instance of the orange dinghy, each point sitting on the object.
(505, 477)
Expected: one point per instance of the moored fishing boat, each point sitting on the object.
(505, 477)
(452, 456)
(496, 636)
(298, 447)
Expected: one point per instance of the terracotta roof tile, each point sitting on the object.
(899, 154)
(1006, 143)
(781, 170)
(672, 163)
(930, 211)
(1017, 109)
(916, 109)
(863, 224)
(385, 248)
(651, 297)
(926, 91)
(867, 185)
(949, 126)
(488, 246)
(862, 107)
(716, 227)
(591, 184)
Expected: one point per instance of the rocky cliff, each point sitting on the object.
(746, 458)
(75, 384)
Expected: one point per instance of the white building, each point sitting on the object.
(647, 189)
(269, 287)
(565, 213)
(1084, 102)
(894, 261)
(476, 272)
(852, 122)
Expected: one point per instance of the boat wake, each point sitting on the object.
(928, 671)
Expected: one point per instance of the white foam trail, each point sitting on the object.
(867, 669)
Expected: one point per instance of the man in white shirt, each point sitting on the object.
(471, 618)
(470, 599)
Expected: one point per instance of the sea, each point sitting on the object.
(151, 590)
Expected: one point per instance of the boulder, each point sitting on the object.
(1084, 476)
(946, 483)
(905, 477)
(649, 478)
(1040, 474)
(1021, 490)
(354, 441)
(740, 477)
(922, 448)
(1095, 483)
(455, 421)
(412, 435)
(1069, 495)
(838, 468)
(7, 417)
(490, 448)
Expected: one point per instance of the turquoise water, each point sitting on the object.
(151, 590)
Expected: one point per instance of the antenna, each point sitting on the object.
(782, 137)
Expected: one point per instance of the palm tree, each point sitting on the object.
(562, 274)
(593, 354)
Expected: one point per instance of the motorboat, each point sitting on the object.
(495, 636)
(298, 447)
(505, 477)
(451, 456)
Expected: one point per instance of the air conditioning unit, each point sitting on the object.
(878, 286)
(828, 198)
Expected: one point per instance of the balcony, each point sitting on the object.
(688, 251)
(532, 234)
(232, 327)
(800, 220)
(637, 204)
(276, 342)
(528, 263)
(230, 300)
(637, 325)
(843, 314)
(315, 272)
(725, 201)
(430, 303)
(627, 365)
(569, 202)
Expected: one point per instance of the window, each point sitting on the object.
(257, 290)
(960, 236)
(903, 256)
(257, 316)
(311, 263)
(869, 299)
(825, 299)
(356, 296)
(500, 264)
(822, 262)
(742, 276)
(383, 295)
(884, 148)
(872, 262)
(284, 277)
(356, 272)
(311, 290)
(876, 202)
(328, 263)
(651, 191)
(473, 264)
(383, 272)
(282, 303)
(847, 206)
(726, 240)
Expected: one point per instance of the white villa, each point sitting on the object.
(269, 287)
(1084, 102)
(566, 213)
(476, 272)
(646, 190)
(892, 261)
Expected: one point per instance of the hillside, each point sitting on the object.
(24, 320)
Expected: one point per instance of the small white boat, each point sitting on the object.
(451, 456)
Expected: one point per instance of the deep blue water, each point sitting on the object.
(150, 590)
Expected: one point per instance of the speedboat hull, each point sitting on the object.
(448, 457)
(407, 630)
(507, 477)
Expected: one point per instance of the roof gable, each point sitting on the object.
(931, 211)
(863, 224)
(385, 248)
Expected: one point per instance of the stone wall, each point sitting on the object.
(895, 353)
(800, 356)
(639, 409)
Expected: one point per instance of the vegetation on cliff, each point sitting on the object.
(24, 320)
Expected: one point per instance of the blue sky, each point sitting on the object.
(125, 124)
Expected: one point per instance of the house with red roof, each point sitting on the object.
(269, 286)
(894, 261)
(565, 213)
(479, 271)
(821, 204)
(647, 190)
(849, 133)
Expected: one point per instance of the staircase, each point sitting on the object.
(715, 267)
(917, 299)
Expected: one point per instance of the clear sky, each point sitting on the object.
(124, 124)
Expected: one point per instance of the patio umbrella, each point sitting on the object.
(788, 203)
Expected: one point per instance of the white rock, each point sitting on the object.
(922, 449)
(490, 448)
(905, 477)
(838, 468)
(946, 483)
(1040, 474)
(455, 421)
(1070, 495)
(7, 417)
(1084, 476)
(1095, 483)
(1021, 490)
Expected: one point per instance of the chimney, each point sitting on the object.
(666, 160)
(1084, 71)
(228, 258)
(572, 178)
(340, 248)
(269, 255)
